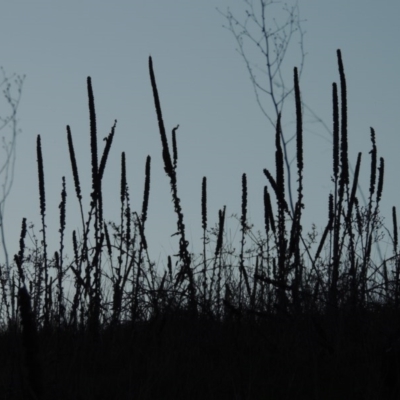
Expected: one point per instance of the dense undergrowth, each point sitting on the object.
(293, 316)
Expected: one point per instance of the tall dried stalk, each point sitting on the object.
(243, 224)
(184, 255)
(41, 267)
(204, 227)
(343, 186)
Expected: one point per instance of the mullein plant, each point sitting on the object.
(170, 169)
(243, 223)
(41, 267)
(205, 240)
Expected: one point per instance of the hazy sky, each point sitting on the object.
(205, 88)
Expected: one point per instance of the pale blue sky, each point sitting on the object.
(205, 88)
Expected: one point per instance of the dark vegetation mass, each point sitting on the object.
(291, 316)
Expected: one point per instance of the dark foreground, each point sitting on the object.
(273, 357)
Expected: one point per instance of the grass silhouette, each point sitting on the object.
(274, 321)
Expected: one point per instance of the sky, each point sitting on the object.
(204, 87)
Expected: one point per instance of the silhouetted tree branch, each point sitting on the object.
(11, 86)
(261, 32)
